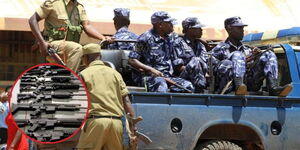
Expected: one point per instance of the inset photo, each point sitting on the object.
(49, 103)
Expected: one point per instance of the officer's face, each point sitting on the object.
(167, 27)
(236, 32)
(194, 32)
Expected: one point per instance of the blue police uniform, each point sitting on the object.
(193, 56)
(230, 62)
(265, 67)
(154, 51)
(123, 33)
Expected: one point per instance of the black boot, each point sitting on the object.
(240, 87)
(275, 90)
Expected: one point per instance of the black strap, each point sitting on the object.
(70, 15)
(112, 117)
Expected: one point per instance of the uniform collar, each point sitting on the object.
(157, 37)
(123, 29)
(96, 62)
(234, 46)
(187, 40)
(197, 41)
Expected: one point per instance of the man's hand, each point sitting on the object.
(133, 142)
(156, 73)
(109, 39)
(44, 48)
(256, 51)
(106, 41)
(182, 68)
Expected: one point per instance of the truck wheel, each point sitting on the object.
(218, 145)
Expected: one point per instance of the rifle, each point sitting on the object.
(168, 80)
(122, 40)
(259, 51)
(48, 87)
(53, 54)
(211, 74)
(103, 44)
(38, 108)
(47, 96)
(43, 72)
(61, 134)
(132, 122)
(50, 123)
(59, 79)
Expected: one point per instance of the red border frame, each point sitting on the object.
(88, 101)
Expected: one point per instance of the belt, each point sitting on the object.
(112, 117)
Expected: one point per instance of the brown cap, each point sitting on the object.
(91, 49)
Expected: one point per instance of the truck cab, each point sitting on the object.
(185, 121)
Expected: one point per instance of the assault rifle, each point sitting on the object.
(45, 72)
(47, 87)
(38, 97)
(59, 79)
(140, 136)
(38, 108)
(49, 128)
(258, 51)
(52, 135)
(45, 124)
(54, 55)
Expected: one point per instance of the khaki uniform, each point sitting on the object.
(56, 17)
(106, 89)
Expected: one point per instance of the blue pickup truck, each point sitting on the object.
(181, 121)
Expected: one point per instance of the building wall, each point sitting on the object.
(16, 55)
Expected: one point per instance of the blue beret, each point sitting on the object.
(121, 12)
(162, 16)
(192, 22)
(234, 21)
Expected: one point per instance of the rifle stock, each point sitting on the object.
(170, 81)
(54, 55)
(140, 136)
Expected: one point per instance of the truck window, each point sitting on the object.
(298, 59)
(284, 76)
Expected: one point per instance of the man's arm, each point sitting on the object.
(35, 29)
(91, 31)
(144, 68)
(128, 107)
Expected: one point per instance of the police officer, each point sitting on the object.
(121, 22)
(231, 56)
(152, 55)
(64, 22)
(189, 56)
(108, 103)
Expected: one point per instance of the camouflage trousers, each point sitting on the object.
(264, 66)
(195, 72)
(226, 69)
(159, 84)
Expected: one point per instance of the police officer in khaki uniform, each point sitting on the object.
(108, 102)
(64, 22)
